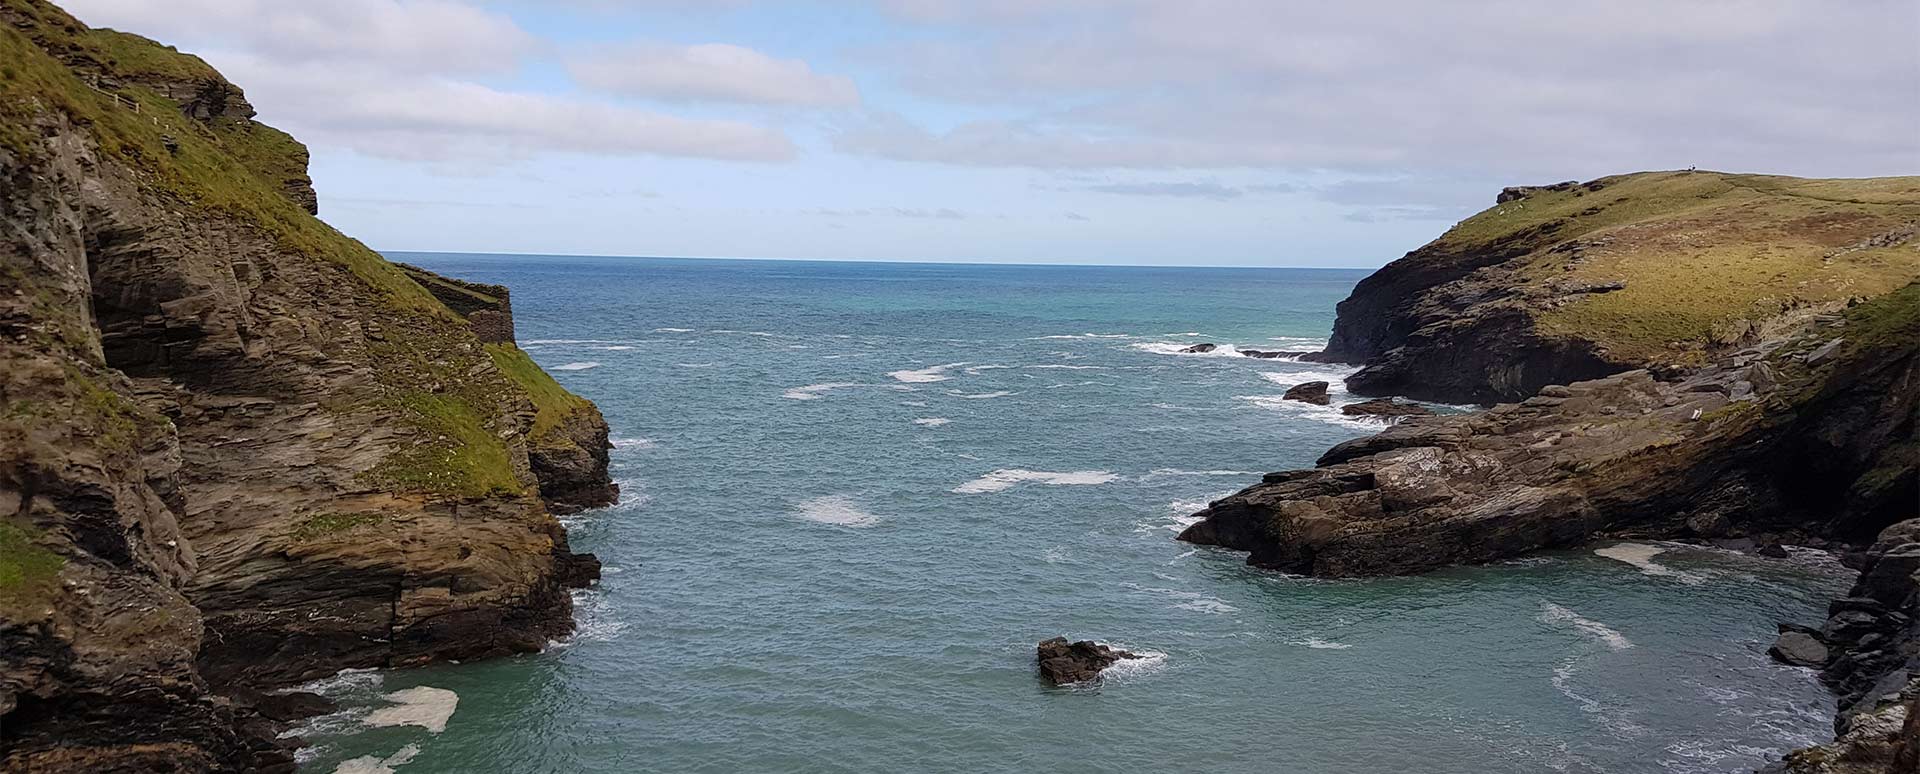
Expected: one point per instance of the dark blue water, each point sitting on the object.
(858, 494)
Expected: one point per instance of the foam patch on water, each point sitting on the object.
(373, 764)
(634, 443)
(1187, 600)
(816, 391)
(1551, 613)
(1130, 669)
(1336, 380)
(1174, 347)
(1059, 367)
(924, 375)
(1319, 644)
(580, 366)
(594, 619)
(424, 706)
(1007, 478)
(838, 510)
(1179, 472)
(1082, 336)
(1328, 414)
(932, 421)
(980, 395)
(1641, 555)
(673, 330)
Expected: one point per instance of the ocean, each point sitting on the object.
(857, 494)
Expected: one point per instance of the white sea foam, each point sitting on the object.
(634, 443)
(1187, 600)
(1181, 514)
(594, 618)
(839, 510)
(424, 706)
(571, 341)
(1336, 380)
(1007, 478)
(1319, 644)
(1068, 367)
(673, 330)
(975, 370)
(914, 403)
(815, 391)
(762, 334)
(617, 348)
(1641, 555)
(373, 764)
(924, 375)
(695, 365)
(1083, 336)
(1551, 613)
(1328, 414)
(1174, 347)
(932, 421)
(1179, 472)
(980, 395)
(581, 366)
(1130, 669)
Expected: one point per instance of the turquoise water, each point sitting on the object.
(857, 494)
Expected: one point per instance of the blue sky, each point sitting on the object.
(1199, 132)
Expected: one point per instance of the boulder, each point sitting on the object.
(1062, 663)
(1798, 648)
(1308, 392)
(1385, 407)
(1200, 349)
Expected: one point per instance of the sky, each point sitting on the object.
(1167, 132)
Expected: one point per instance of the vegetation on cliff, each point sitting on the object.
(1648, 270)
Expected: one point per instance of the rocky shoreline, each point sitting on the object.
(1799, 425)
(239, 450)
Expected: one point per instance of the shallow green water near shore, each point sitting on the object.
(857, 495)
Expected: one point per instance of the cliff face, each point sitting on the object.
(237, 449)
(1662, 270)
(1809, 434)
(1720, 357)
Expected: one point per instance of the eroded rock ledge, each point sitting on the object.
(1799, 434)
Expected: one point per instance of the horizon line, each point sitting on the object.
(877, 260)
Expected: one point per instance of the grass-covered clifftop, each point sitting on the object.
(1654, 269)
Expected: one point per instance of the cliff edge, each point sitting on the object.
(237, 449)
(1665, 271)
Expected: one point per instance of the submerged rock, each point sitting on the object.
(1264, 354)
(1385, 407)
(1062, 662)
(1309, 392)
(1799, 648)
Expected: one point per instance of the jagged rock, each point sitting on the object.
(1773, 551)
(1062, 663)
(1385, 407)
(1799, 649)
(1308, 392)
(1200, 349)
(1824, 353)
(230, 455)
(1273, 354)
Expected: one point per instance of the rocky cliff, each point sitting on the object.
(1661, 270)
(1694, 356)
(237, 449)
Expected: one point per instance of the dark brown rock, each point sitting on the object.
(1200, 349)
(1799, 649)
(1308, 392)
(1062, 663)
(1385, 407)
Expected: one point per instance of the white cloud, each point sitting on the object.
(1505, 88)
(713, 71)
(438, 36)
(379, 113)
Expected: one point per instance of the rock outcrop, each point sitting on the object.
(1666, 271)
(1064, 663)
(237, 449)
(1385, 407)
(1308, 392)
(1826, 449)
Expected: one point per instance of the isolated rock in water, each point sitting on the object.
(1062, 662)
(1309, 392)
(1385, 407)
(1273, 354)
(1200, 349)
(1799, 649)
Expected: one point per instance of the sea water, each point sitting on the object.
(856, 495)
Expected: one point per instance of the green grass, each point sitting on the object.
(455, 454)
(327, 524)
(28, 573)
(235, 169)
(553, 401)
(1707, 257)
